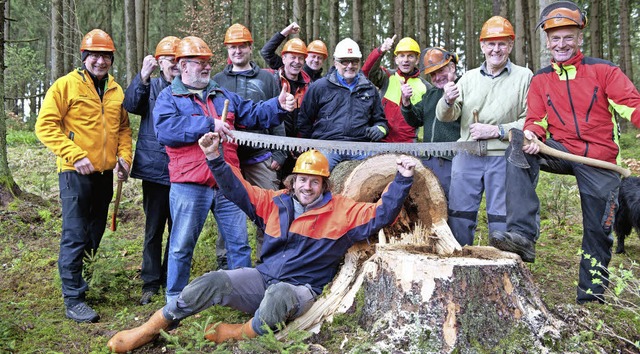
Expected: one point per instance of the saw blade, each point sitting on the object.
(275, 142)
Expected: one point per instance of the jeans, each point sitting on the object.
(155, 201)
(85, 205)
(190, 205)
(440, 167)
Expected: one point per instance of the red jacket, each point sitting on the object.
(575, 103)
(389, 83)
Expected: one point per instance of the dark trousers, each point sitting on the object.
(155, 201)
(598, 198)
(85, 204)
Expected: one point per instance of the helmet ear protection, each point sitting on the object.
(433, 58)
(562, 13)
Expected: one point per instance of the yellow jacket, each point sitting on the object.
(74, 123)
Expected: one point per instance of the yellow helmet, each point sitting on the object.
(312, 162)
(407, 44)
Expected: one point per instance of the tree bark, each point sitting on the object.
(130, 40)
(316, 20)
(469, 29)
(520, 42)
(398, 17)
(356, 22)
(8, 187)
(545, 56)
(334, 23)
(423, 22)
(139, 18)
(594, 29)
(308, 30)
(625, 39)
(247, 13)
(500, 8)
(298, 13)
(57, 40)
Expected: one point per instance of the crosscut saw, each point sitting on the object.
(275, 142)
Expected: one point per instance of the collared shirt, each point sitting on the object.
(350, 86)
(485, 72)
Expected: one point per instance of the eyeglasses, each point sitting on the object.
(346, 62)
(500, 45)
(201, 63)
(169, 60)
(107, 58)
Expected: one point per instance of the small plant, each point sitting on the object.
(269, 343)
(622, 293)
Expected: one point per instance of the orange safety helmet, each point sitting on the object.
(434, 58)
(295, 45)
(562, 13)
(312, 162)
(318, 47)
(167, 46)
(97, 40)
(192, 47)
(237, 33)
(497, 27)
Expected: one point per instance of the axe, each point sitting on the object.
(116, 204)
(518, 141)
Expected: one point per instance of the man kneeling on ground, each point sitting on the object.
(307, 231)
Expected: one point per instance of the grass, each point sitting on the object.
(32, 314)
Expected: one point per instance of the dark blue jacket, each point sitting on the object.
(309, 248)
(257, 85)
(330, 111)
(151, 161)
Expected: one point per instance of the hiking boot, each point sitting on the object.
(514, 242)
(146, 296)
(81, 312)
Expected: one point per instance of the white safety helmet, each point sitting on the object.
(347, 48)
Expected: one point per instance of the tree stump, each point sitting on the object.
(422, 292)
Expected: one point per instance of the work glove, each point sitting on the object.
(375, 133)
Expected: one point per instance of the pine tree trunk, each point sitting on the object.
(334, 24)
(130, 39)
(520, 42)
(57, 40)
(625, 39)
(356, 22)
(398, 17)
(8, 187)
(594, 29)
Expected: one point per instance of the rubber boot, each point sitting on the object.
(225, 331)
(131, 339)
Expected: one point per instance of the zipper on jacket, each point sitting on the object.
(594, 98)
(550, 104)
(573, 110)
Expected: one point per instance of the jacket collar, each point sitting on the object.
(178, 88)
(573, 61)
(253, 72)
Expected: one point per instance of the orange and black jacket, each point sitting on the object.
(575, 103)
(309, 248)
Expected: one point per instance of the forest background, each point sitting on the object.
(43, 37)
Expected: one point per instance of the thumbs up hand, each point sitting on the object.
(287, 101)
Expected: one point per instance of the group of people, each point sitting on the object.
(189, 165)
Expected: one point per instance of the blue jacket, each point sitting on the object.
(182, 117)
(151, 162)
(309, 248)
(330, 111)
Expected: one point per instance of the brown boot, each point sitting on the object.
(225, 331)
(131, 339)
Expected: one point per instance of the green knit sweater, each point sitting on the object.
(500, 100)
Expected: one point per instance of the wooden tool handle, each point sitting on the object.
(225, 111)
(475, 116)
(116, 204)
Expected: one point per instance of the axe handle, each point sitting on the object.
(547, 150)
(116, 204)
(225, 110)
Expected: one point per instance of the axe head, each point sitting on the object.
(516, 157)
